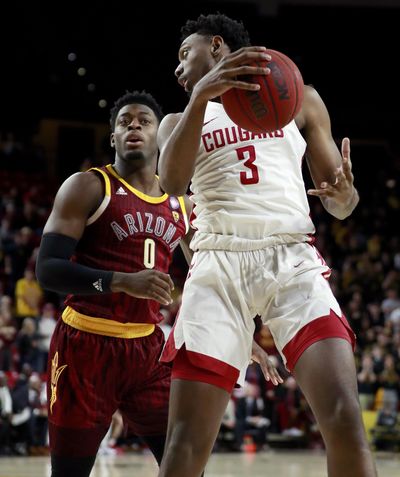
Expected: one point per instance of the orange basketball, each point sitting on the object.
(275, 104)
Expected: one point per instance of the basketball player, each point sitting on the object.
(108, 243)
(254, 255)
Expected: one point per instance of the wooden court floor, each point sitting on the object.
(265, 464)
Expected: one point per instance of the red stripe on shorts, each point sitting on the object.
(192, 366)
(329, 326)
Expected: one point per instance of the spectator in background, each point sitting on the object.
(46, 326)
(366, 382)
(5, 414)
(8, 332)
(28, 295)
(250, 416)
(28, 345)
(389, 381)
(38, 422)
(391, 302)
(21, 416)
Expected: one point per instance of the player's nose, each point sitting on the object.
(134, 124)
(179, 70)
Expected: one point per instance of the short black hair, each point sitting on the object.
(233, 32)
(135, 97)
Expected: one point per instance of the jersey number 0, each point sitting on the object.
(149, 255)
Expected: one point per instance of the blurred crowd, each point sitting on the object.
(363, 252)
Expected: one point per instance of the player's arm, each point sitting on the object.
(179, 135)
(178, 140)
(330, 169)
(78, 197)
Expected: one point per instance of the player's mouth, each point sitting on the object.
(183, 82)
(134, 140)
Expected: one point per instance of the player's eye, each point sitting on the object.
(144, 121)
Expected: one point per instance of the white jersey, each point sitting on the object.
(248, 189)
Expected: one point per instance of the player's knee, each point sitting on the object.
(188, 448)
(344, 422)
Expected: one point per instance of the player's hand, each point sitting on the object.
(224, 75)
(267, 366)
(149, 284)
(341, 191)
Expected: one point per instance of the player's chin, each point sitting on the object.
(134, 155)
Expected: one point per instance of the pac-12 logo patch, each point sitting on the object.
(174, 203)
(175, 215)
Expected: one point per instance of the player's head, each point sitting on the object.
(134, 122)
(204, 42)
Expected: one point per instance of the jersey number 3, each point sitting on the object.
(248, 155)
(149, 255)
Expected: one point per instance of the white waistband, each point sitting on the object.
(207, 241)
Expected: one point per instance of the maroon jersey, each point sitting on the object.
(129, 232)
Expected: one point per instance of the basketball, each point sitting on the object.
(275, 104)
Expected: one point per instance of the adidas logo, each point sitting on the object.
(98, 283)
(121, 191)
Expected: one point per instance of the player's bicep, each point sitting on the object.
(166, 127)
(323, 156)
(75, 201)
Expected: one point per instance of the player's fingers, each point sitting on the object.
(277, 377)
(340, 176)
(246, 59)
(264, 369)
(252, 52)
(346, 149)
(171, 283)
(248, 70)
(164, 281)
(243, 85)
(159, 294)
(319, 192)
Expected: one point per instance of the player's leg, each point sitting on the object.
(196, 411)
(144, 404)
(73, 451)
(326, 374)
(77, 361)
(316, 342)
(209, 344)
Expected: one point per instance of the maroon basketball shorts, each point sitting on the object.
(90, 376)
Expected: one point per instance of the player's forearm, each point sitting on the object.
(341, 210)
(178, 156)
(56, 272)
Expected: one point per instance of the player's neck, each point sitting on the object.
(142, 178)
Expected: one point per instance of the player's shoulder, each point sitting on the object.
(82, 185)
(312, 102)
(171, 119)
(166, 127)
(83, 179)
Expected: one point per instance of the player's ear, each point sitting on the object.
(112, 140)
(217, 43)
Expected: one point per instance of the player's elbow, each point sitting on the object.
(173, 186)
(42, 273)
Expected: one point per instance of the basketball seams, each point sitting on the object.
(291, 67)
(243, 105)
(272, 99)
(275, 104)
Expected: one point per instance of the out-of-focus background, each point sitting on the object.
(62, 67)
